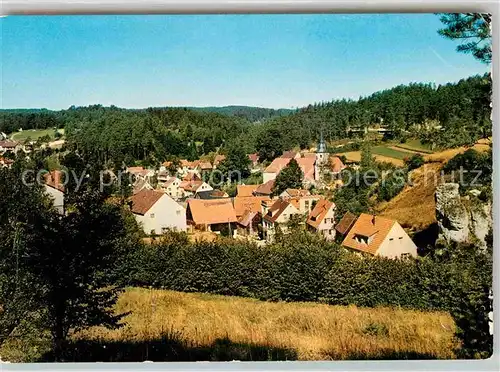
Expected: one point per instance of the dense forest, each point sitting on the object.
(447, 115)
(252, 114)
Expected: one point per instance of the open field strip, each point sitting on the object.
(34, 134)
(306, 331)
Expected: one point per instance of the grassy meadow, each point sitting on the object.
(175, 326)
(34, 134)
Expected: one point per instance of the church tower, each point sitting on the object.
(321, 157)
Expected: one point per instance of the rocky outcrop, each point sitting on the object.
(461, 218)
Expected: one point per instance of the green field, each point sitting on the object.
(391, 153)
(415, 145)
(34, 134)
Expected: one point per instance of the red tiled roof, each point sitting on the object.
(276, 210)
(191, 185)
(319, 212)
(374, 228)
(277, 165)
(254, 157)
(307, 167)
(266, 188)
(245, 190)
(219, 158)
(297, 192)
(205, 165)
(345, 223)
(211, 211)
(55, 179)
(144, 200)
(8, 144)
(191, 177)
(244, 203)
(336, 164)
(247, 218)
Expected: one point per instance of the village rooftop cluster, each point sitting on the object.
(185, 202)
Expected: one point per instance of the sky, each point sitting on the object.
(277, 61)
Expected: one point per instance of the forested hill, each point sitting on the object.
(252, 114)
(462, 109)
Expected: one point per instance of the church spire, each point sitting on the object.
(321, 144)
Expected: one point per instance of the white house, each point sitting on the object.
(380, 237)
(172, 187)
(55, 189)
(278, 214)
(322, 219)
(157, 212)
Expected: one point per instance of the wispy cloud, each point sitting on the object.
(444, 61)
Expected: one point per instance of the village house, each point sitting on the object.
(204, 166)
(157, 212)
(294, 193)
(305, 203)
(245, 190)
(140, 172)
(322, 219)
(4, 162)
(211, 194)
(54, 187)
(162, 176)
(313, 167)
(276, 215)
(248, 211)
(254, 159)
(141, 184)
(345, 224)
(218, 159)
(9, 146)
(379, 236)
(266, 189)
(191, 188)
(172, 187)
(211, 215)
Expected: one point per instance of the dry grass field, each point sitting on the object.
(415, 206)
(210, 327)
(443, 156)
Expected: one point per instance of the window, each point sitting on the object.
(400, 237)
(391, 239)
(178, 213)
(307, 204)
(152, 215)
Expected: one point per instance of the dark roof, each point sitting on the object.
(210, 194)
(345, 223)
(276, 210)
(144, 200)
(266, 188)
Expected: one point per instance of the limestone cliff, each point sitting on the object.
(461, 218)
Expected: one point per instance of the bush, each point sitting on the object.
(304, 267)
(415, 161)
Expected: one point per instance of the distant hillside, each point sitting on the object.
(250, 113)
(25, 110)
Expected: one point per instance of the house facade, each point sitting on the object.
(157, 212)
(211, 215)
(277, 215)
(321, 219)
(379, 236)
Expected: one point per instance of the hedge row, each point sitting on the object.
(300, 268)
(304, 267)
